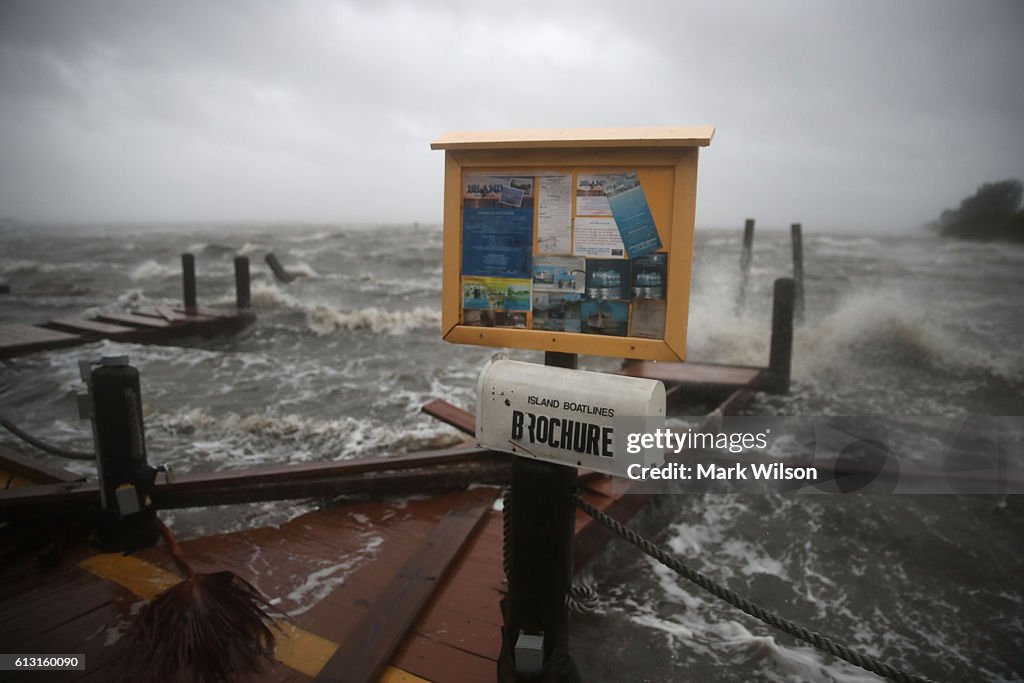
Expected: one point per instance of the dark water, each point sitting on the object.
(341, 359)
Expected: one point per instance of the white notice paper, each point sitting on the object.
(597, 237)
(554, 214)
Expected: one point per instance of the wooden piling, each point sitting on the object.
(541, 562)
(243, 291)
(781, 355)
(796, 233)
(745, 259)
(279, 272)
(188, 278)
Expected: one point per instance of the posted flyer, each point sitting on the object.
(632, 214)
(597, 237)
(559, 274)
(497, 242)
(590, 196)
(554, 214)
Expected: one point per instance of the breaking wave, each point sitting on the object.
(892, 329)
(150, 270)
(324, 319)
(26, 266)
(253, 439)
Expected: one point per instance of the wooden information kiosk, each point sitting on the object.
(570, 241)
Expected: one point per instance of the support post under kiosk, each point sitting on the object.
(127, 519)
(535, 637)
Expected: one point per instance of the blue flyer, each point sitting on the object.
(497, 242)
(632, 214)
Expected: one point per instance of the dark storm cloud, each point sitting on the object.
(873, 114)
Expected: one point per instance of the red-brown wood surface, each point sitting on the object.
(327, 568)
(694, 373)
(16, 339)
(363, 657)
(153, 325)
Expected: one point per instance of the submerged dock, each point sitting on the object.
(149, 325)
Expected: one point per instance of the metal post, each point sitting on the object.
(188, 276)
(243, 292)
(745, 258)
(540, 572)
(796, 233)
(781, 355)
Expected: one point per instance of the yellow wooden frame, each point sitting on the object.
(650, 151)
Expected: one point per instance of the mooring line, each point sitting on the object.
(42, 445)
(739, 602)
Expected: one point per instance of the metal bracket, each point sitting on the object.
(529, 653)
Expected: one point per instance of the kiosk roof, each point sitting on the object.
(658, 136)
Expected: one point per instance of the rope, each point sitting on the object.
(42, 445)
(817, 640)
(582, 598)
(138, 441)
(506, 532)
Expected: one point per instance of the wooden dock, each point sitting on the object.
(379, 590)
(150, 325)
(154, 325)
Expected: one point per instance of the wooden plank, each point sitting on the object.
(654, 136)
(694, 373)
(16, 333)
(204, 312)
(37, 472)
(16, 338)
(169, 314)
(436, 661)
(134, 320)
(378, 476)
(450, 414)
(90, 326)
(365, 655)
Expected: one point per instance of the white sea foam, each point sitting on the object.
(326, 319)
(303, 269)
(151, 270)
(258, 438)
(320, 583)
(891, 327)
(697, 629)
(373, 283)
(27, 266)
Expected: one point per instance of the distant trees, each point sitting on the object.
(992, 213)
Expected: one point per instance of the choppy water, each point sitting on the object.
(341, 359)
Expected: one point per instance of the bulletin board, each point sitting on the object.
(578, 241)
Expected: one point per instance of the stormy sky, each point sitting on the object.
(859, 115)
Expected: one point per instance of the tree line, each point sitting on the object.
(992, 213)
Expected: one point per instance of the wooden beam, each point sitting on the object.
(365, 655)
(408, 473)
(463, 420)
(133, 319)
(34, 471)
(90, 327)
(703, 374)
